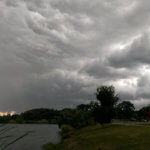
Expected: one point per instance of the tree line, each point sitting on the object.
(106, 107)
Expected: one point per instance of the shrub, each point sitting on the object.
(75, 118)
(66, 131)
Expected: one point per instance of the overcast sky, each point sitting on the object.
(54, 53)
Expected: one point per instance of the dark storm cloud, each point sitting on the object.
(138, 53)
(10, 3)
(101, 69)
(55, 53)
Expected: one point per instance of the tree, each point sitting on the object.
(143, 113)
(103, 110)
(125, 110)
(39, 114)
(83, 107)
(75, 118)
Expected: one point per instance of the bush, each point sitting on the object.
(66, 131)
(20, 120)
(75, 118)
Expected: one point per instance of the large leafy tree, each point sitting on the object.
(104, 110)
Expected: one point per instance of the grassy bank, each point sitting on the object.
(111, 137)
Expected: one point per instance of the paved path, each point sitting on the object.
(130, 124)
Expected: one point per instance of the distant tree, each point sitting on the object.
(103, 110)
(14, 116)
(143, 113)
(39, 114)
(5, 118)
(87, 107)
(125, 110)
(83, 107)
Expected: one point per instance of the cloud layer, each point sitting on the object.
(55, 53)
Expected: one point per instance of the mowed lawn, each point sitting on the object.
(110, 137)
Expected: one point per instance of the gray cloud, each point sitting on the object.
(138, 53)
(55, 53)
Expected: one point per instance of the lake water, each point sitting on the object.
(27, 136)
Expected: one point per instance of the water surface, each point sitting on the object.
(27, 136)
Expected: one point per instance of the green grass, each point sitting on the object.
(111, 137)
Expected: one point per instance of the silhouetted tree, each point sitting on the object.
(83, 107)
(125, 110)
(103, 110)
(39, 114)
(143, 113)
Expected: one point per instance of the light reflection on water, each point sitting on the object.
(27, 136)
